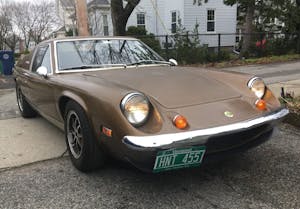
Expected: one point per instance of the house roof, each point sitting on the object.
(98, 2)
(67, 3)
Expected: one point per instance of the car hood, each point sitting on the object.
(172, 87)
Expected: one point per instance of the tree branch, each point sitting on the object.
(130, 7)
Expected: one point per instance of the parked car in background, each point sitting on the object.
(117, 97)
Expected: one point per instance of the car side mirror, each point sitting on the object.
(173, 62)
(42, 71)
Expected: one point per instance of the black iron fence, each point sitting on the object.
(192, 48)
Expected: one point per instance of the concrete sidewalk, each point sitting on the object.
(24, 141)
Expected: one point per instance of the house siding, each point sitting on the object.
(159, 25)
(225, 21)
(189, 14)
(146, 7)
(176, 5)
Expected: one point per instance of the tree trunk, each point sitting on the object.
(120, 15)
(120, 27)
(248, 30)
(117, 12)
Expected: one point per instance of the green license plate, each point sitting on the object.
(178, 158)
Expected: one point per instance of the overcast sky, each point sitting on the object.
(27, 0)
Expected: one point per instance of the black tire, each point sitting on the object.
(84, 151)
(25, 109)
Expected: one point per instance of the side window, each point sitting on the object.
(39, 56)
(47, 60)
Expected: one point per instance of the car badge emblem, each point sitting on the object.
(228, 114)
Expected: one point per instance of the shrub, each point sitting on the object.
(189, 49)
(278, 44)
(147, 38)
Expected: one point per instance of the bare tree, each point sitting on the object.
(45, 20)
(34, 20)
(12, 40)
(6, 27)
(23, 19)
(120, 14)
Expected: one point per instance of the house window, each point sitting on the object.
(140, 17)
(173, 22)
(105, 26)
(210, 20)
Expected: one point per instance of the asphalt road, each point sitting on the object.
(272, 73)
(265, 177)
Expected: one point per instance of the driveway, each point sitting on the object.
(24, 141)
(266, 177)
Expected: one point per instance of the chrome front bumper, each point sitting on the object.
(199, 136)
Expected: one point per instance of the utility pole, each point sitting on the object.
(82, 20)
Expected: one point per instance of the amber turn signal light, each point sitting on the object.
(180, 122)
(107, 131)
(261, 104)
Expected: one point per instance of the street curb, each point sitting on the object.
(32, 163)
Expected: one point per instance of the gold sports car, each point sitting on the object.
(116, 97)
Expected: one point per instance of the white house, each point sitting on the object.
(161, 17)
(100, 21)
(65, 11)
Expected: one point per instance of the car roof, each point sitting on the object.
(71, 38)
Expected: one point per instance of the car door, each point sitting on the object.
(23, 74)
(41, 88)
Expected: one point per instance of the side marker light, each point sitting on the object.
(107, 131)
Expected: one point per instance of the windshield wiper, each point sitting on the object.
(93, 66)
(149, 61)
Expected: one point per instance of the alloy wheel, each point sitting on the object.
(74, 134)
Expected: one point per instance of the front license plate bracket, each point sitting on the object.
(178, 158)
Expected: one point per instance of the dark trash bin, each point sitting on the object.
(7, 62)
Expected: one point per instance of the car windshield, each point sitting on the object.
(84, 54)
